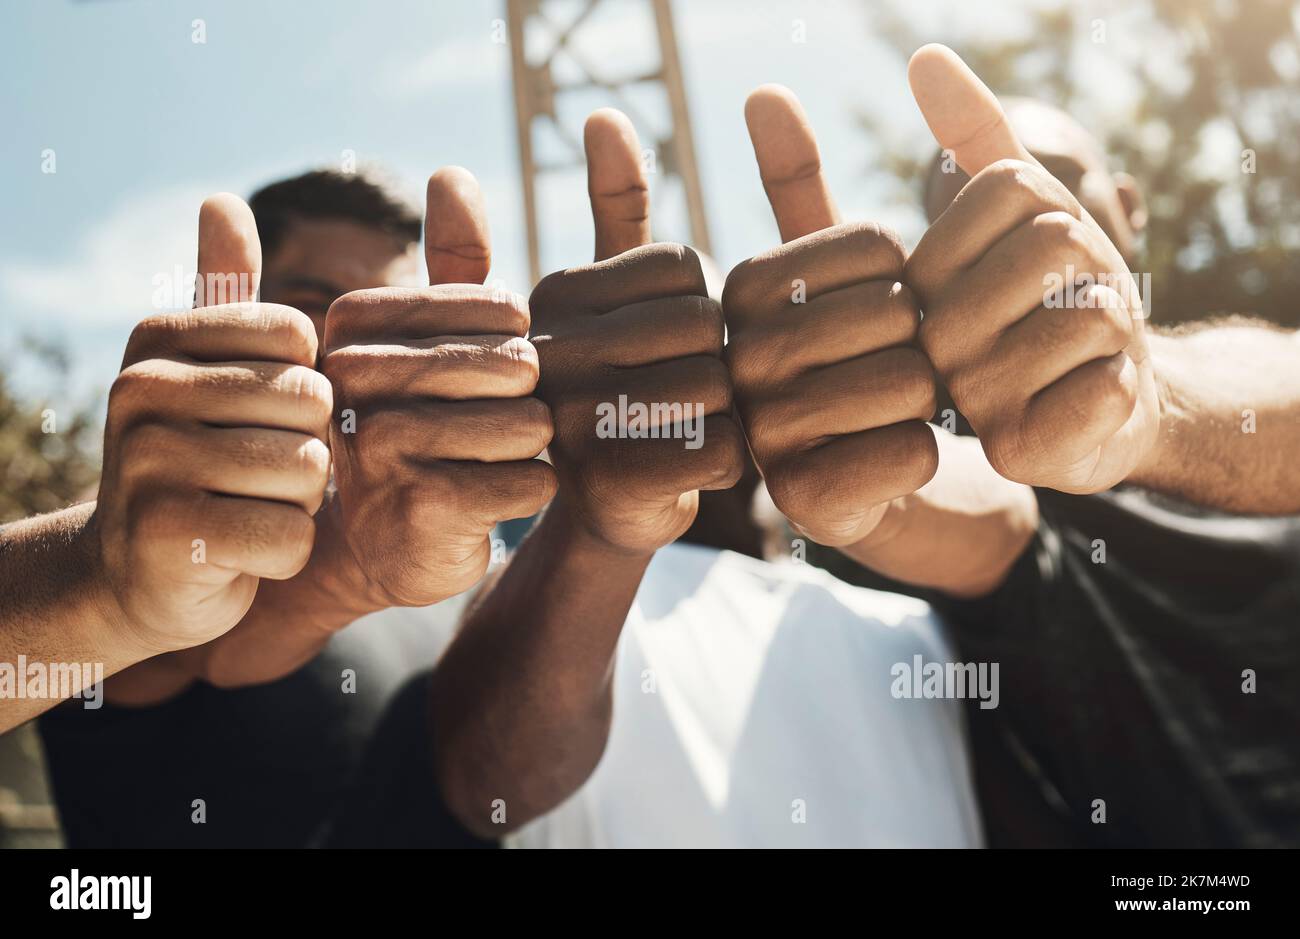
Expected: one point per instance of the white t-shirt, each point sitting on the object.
(752, 708)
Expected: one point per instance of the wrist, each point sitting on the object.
(567, 529)
(1161, 456)
(99, 626)
(567, 526)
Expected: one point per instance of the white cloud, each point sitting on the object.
(108, 276)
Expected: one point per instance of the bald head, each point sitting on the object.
(1070, 153)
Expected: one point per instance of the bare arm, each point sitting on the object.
(56, 609)
(522, 698)
(213, 465)
(1230, 418)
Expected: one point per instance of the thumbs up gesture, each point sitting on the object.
(214, 449)
(1031, 318)
(630, 351)
(436, 428)
(833, 395)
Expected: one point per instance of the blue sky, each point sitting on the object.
(144, 123)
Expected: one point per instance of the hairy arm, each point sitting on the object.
(1230, 418)
(57, 608)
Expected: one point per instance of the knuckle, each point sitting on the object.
(134, 386)
(287, 331)
(768, 424)
(713, 384)
(1007, 174)
(313, 457)
(681, 261)
(467, 570)
(967, 385)
(345, 311)
(1119, 396)
(346, 367)
(1108, 321)
(312, 394)
(145, 447)
(519, 363)
(915, 383)
(882, 244)
(1013, 179)
(290, 536)
(548, 294)
(515, 311)
(921, 455)
(151, 336)
(1027, 185)
(536, 425)
(899, 316)
(739, 289)
(1062, 232)
(1005, 452)
(348, 303)
(707, 323)
(940, 343)
(725, 451)
(790, 487)
(507, 311)
(677, 253)
(747, 361)
(537, 483)
(280, 330)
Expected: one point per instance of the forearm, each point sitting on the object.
(522, 699)
(960, 533)
(1230, 419)
(57, 614)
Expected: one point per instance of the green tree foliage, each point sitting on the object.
(1217, 95)
(49, 453)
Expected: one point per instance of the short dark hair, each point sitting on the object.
(368, 195)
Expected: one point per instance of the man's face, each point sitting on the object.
(1074, 157)
(319, 260)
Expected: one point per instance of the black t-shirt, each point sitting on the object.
(1149, 673)
(338, 754)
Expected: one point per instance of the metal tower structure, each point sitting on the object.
(537, 91)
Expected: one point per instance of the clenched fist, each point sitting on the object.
(214, 450)
(1031, 316)
(833, 395)
(630, 351)
(436, 429)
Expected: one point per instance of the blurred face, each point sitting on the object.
(319, 260)
(1073, 156)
